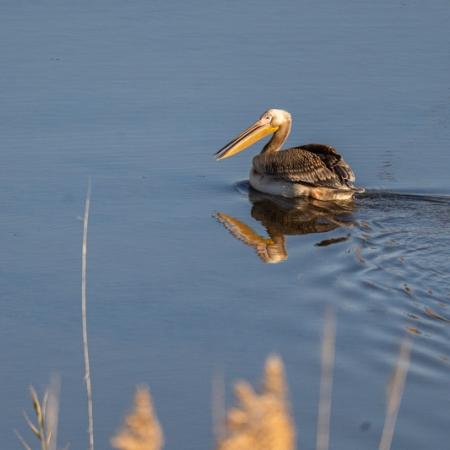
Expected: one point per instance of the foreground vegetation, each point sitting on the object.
(261, 419)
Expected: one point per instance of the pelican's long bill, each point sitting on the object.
(253, 133)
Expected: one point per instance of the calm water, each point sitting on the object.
(138, 95)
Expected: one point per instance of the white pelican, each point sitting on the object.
(312, 170)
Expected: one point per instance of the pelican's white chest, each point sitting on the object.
(275, 186)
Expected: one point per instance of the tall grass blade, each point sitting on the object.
(395, 394)
(46, 412)
(22, 440)
(218, 405)
(51, 412)
(87, 367)
(326, 380)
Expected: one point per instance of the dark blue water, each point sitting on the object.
(138, 95)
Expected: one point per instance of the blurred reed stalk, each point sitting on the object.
(218, 408)
(326, 380)
(87, 367)
(395, 393)
(46, 411)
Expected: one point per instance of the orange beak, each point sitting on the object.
(248, 137)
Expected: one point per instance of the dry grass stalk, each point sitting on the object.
(46, 412)
(218, 405)
(395, 394)
(87, 367)
(141, 429)
(262, 420)
(326, 381)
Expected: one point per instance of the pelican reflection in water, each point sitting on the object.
(281, 217)
(312, 170)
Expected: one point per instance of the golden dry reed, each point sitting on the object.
(261, 420)
(141, 429)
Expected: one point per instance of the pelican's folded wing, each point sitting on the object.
(314, 164)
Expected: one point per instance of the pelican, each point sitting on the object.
(312, 170)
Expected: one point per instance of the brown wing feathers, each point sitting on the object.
(314, 164)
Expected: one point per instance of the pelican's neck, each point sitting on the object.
(278, 138)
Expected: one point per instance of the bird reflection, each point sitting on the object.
(281, 217)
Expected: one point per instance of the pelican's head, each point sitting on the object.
(270, 122)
